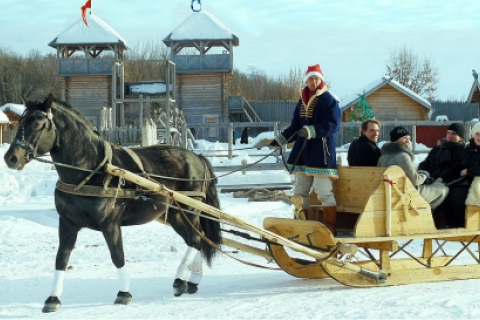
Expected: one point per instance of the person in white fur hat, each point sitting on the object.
(459, 178)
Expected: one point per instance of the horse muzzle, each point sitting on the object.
(16, 158)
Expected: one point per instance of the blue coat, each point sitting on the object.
(321, 116)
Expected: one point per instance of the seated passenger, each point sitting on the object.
(364, 151)
(443, 156)
(467, 167)
(397, 152)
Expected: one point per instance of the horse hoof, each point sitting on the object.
(192, 287)
(52, 304)
(123, 298)
(179, 287)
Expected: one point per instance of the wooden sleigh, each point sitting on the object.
(383, 215)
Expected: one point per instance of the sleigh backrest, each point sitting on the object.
(385, 200)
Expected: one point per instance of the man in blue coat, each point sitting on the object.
(315, 121)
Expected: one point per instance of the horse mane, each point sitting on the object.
(62, 105)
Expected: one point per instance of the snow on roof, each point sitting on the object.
(3, 117)
(96, 32)
(147, 87)
(201, 26)
(375, 85)
(18, 109)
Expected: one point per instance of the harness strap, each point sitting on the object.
(101, 192)
(108, 157)
(136, 159)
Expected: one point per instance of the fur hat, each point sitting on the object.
(314, 71)
(475, 128)
(399, 132)
(458, 128)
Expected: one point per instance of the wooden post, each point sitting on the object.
(388, 205)
(122, 94)
(414, 138)
(103, 119)
(140, 112)
(230, 140)
(185, 132)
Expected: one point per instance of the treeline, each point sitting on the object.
(35, 75)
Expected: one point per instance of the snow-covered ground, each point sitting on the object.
(229, 290)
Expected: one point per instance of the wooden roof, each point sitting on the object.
(376, 85)
(474, 95)
(97, 33)
(201, 26)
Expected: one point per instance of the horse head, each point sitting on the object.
(36, 134)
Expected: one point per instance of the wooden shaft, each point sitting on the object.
(388, 205)
(246, 248)
(273, 237)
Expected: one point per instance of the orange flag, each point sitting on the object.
(88, 5)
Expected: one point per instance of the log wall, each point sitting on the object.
(389, 104)
(88, 94)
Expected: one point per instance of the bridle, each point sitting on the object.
(31, 148)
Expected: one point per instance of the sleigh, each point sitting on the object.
(381, 215)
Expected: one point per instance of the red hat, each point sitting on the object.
(314, 71)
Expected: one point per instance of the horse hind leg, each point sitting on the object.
(195, 275)
(180, 284)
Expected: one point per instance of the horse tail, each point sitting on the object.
(210, 227)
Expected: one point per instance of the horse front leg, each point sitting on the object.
(67, 235)
(112, 233)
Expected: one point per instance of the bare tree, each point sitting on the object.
(257, 86)
(419, 76)
(146, 61)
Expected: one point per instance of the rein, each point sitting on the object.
(155, 175)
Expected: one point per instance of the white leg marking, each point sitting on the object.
(196, 268)
(124, 279)
(57, 286)
(184, 267)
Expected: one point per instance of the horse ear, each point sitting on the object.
(48, 102)
(24, 99)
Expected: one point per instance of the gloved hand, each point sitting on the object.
(274, 143)
(429, 180)
(424, 173)
(303, 133)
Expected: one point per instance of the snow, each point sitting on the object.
(97, 32)
(201, 26)
(3, 117)
(229, 290)
(16, 108)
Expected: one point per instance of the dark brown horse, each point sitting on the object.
(83, 198)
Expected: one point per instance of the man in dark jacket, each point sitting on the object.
(443, 156)
(364, 150)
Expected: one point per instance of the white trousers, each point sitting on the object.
(323, 188)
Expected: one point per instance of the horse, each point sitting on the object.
(84, 198)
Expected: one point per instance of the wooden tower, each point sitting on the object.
(86, 58)
(202, 49)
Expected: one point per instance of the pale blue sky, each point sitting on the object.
(351, 39)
